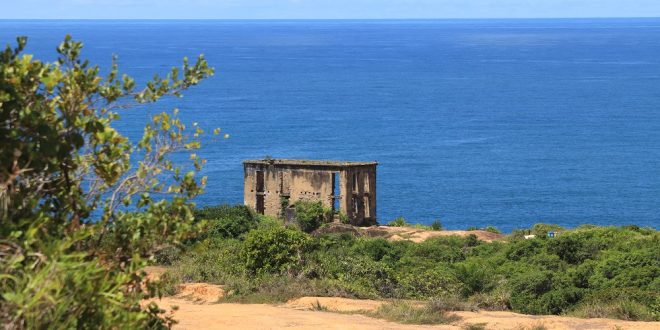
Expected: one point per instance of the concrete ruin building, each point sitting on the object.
(273, 185)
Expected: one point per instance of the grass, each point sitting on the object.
(622, 310)
(412, 313)
(318, 307)
(474, 326)
(539, 326)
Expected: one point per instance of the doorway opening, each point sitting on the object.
(335, 192)
(260, 193)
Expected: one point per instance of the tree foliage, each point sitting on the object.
(311, 215)
(81, 206)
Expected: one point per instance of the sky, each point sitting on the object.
(323, 9)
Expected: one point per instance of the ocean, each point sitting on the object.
(473, 122)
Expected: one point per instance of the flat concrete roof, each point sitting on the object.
(307, 162)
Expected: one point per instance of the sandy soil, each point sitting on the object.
(196, 310)
(420, 235)
(256, 316)
(334, 304)
(405, 233)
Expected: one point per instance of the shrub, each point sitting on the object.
(212, 261)
(378, 248)
(451, 303)
(274, 250)
(496, 300)
(614, 296)
(640, 268)
(359, 274)
(542, 229)
(476, 277)
(425, 283)
(167, 255)
(82, 206)
(227, 221)
(398, 222)
(436, 225)
(527, 289)
(343, 218)
(492, 229)
(310, 215)
(619, 309)
(474, 326)
(273, 288)
(437, 249)
(528, 276)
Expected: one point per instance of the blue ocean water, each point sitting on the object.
(473, 122)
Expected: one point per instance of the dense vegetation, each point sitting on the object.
(588, 271)
(82, 207)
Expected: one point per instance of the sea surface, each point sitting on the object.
(473, 122)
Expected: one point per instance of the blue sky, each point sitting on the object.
(329, 9)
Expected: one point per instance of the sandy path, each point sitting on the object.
(298, 314)
(256, 316)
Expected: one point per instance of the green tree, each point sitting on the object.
(81, 206)
(275, 250)
(310, 215)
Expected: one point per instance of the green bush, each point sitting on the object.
(607, 267)
(310, 215)
(436, 225)
(426, 283)
(379, 249)
(227, 221)
(275, 250)
(212, 261)
(476, 277)
(496, 300)
(613, 297)
(343, 218)
(492, 229)
(542, 229)
(398, 222)
(69, 291)
(167, 255)
(620, 309)
(83, 207)
(527, 290)
(640, 268)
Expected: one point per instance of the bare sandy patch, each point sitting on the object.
(259, 316)
(297, 314)
(300, 314)
(420, 235)
(509, 320)
(201, 292)
(334, 304)
(416, 235)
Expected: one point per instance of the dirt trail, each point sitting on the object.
(257, 316)
(196, 310)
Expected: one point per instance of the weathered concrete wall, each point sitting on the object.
(359, 203)
(357, 194)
